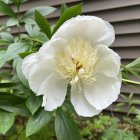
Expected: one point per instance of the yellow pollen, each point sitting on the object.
(77, 62)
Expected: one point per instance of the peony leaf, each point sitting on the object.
(69, 13)
(10, 99)
(37, 122)
(20, 75)
(4, 42)
(17, 110)
(7, 84)
(7, 36)
(12, 22)
(6, 121)
(65, 127)
(64, 7)
(13, 50)
(44, 10)
(33, 103)
(135, 63)
(43, 24)
(4, 8)
(32, 30)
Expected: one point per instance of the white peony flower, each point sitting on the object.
(77, 54)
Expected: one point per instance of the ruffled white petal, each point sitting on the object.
(28, 63)
(109, 37)
(108, 62)
(38, 74)
(37, 67)
(48, 49)
(90, 28)
(54, 92)
(103, 92)
(81, 105)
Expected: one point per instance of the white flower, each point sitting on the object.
(77, 54)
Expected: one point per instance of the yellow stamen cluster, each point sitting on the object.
(77, 61)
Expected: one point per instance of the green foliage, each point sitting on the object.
(7, 37)
(64, 7)
(37, 122)
(8, 98)
(12, 22)
(44, 10)
(13, 50)
(69, 13)
(43, 24)
(65, 127)
(6, 121)
(4, 8)
(33, 103)
(18, 62)
(117, 134)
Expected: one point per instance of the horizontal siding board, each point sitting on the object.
(128, 40)
(128, 52)
(90, 5)
(99, 5)
(127, 27)
(120, 14)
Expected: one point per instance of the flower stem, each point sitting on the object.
(131, 81)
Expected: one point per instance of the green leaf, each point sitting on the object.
(6, 1)
(37, 122)
(33, 103)
(12, 22)
(4, 8)
(43, 24)
(4, 43)
(6, 121)
(7, 84)
(64, 7)
(32, 30)
(19, 72)
(17, 110)
(13, 51)
(135, 63)
(7, 98)
(29, 21)
(7, 36)
(44, 10)
(69, 13)
(65, 127)
(24, 54)
(2, 53)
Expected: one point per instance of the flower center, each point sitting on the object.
(77, 62)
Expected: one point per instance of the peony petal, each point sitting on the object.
(103, 92)
(108, 62)
(109, 37)
(38, 74)
(54, 90)
(48, 49)
(81, 105)
(38, 67)
(96, 30)
(28, 63)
